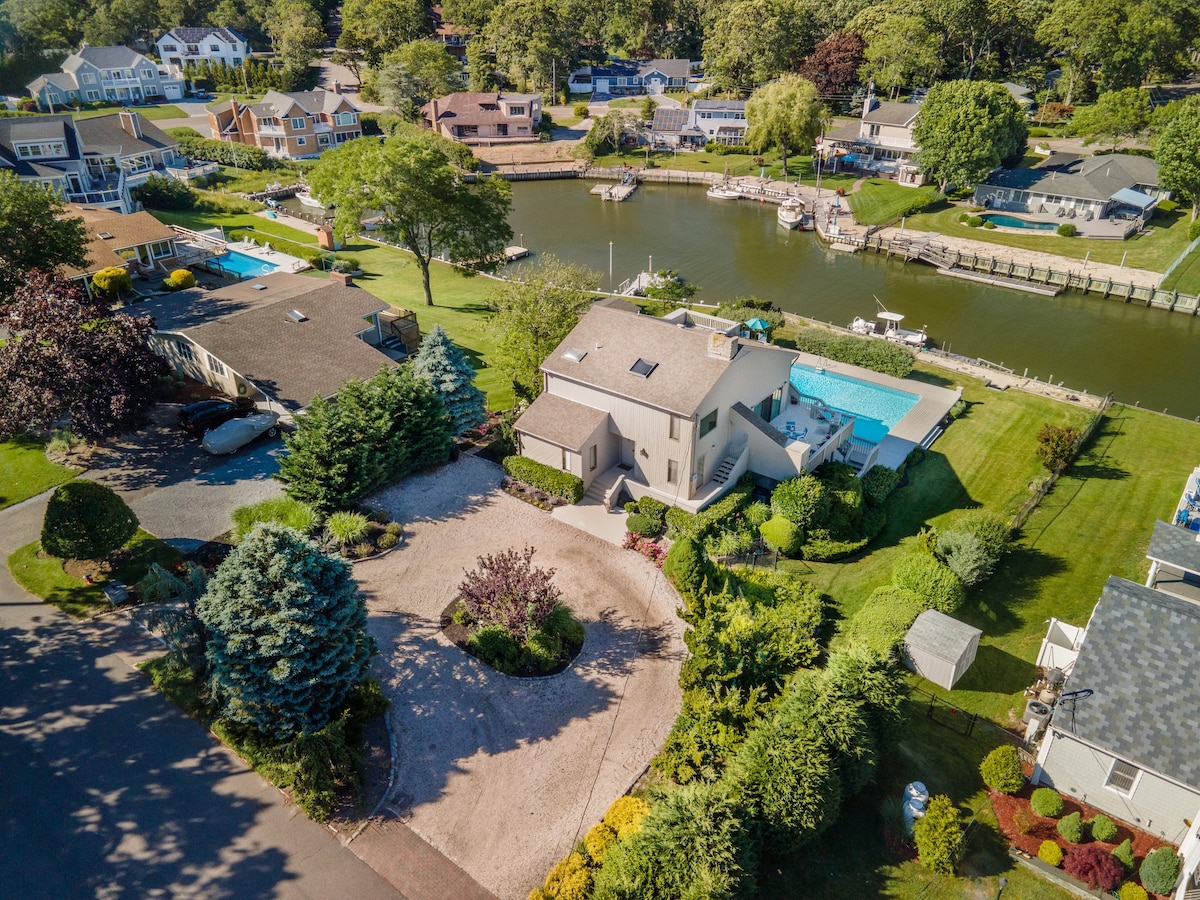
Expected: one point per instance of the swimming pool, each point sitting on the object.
(242, 265)
(1013, 222)
(876, 408)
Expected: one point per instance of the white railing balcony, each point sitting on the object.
(889, 142)
(185, 170)
(271, 131)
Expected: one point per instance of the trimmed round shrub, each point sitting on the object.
(597, 841)
(886, 617)
(1102, 828)
(1160, 870)
(1124, 853)
(395, 528)
(974, 221)
(387, 541)
(1071, 827)
(347, 527)
(1047, 802)
(581, 110)
(687, 567)
(923, 574)
(653, 509)
(1094, 866)
(1001, 770)
(989, 224)
(878, 484)
(782, 534)
(964, 555)
(112, 280)
(497, 647)
(182, 278)
(1067, 229)
(1050, 853)
(802, 500)
(625, 815)
(643, 526)
(1132, 891)
(86, 520)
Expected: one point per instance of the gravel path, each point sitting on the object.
(502, 774)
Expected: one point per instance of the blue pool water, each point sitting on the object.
(245, 266)
(1013, 222)
(876, 408)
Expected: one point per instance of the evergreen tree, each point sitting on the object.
(288, 641)
(445, 367)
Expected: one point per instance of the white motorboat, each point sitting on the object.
(308, 199)
(791, 213)
(888, 328)
(723, 192)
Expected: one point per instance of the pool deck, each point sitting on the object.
(282, 261)
(919, 424)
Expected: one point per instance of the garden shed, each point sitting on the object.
(940, 648)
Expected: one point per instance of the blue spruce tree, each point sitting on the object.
(445, 367)
(288, 630)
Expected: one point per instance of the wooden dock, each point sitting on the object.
(614, 192)
(514, 253)
(1029, 287)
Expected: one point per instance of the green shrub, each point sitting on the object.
(879, 356)
(1050, 853)
(744, 308)
(1160, 870)
(86, 520)
(989, 224)
(496, 647)
(1001, 770)
(162, 192)
(63, 440)
(964, 555)
(878, 484)
(993, 532)
(362, 550)
(347, 527)
(1193, 230)
(1131, 890)
(112, 281)
(651, 508)
(885, 618)
(783, 535)
(240, 156)
(280, 510)
(1071, 827)
(757, 513)
(680, 523)
(1124, 852)
(387, 541)
(1057, 445)
(545, 478)
(643, 526)
(1102, 828)
(938, 835)
(924, 575)
(395, 528)
(1047, 802)
(581, 110)
(802, 500)
(824, 549)
(1067, 229)
(688, 568)
(974, 221)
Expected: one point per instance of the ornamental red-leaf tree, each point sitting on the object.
(71, 360)
(1094, 865)
(509, 591)
(834, 63)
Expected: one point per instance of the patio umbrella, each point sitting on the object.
(757, 324)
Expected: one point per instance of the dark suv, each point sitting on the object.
(197, 418)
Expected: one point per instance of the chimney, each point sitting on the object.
(869, 103)
(722, 346)
(130, 123)
(337, 86)
(342, 278)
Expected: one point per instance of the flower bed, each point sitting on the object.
(530, 495)
(645, 546)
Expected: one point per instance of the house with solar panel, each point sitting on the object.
(1122, 735)
(716, 121)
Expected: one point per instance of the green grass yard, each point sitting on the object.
(152, 113)
(735, 163)
(879, 201)
(25, 472)
(1186, 277)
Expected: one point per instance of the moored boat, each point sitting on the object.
(791, 213)
(308, 199)
(888, 328)
(723, 192)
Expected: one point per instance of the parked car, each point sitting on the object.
(197, 418)
(237, 433)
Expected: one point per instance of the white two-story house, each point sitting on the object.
(718, 121)
(181, 46)
(880, 141)
(107, 75)
(678, 406)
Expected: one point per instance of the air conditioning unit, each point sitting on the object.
(1037, 715)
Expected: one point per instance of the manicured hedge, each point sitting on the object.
(886, 617)
(681, 523)
(545, 478)
(241, 156)
(1047, 802)
(878, 484)
(643, 526)
(880, 356)
(924, 575)
(783, 535)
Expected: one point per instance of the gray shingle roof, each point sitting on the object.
(726, 105)
(755, 421)
(1090, 178)
(277, 103)
(937, 634)
(888, 113)
(1175, 546)
(1139, 657)
(195, 35)
(628, 68)
(560, 421)
(106, 131)
(108, 58)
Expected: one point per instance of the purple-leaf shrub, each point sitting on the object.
(509, 591)
(1095, 866)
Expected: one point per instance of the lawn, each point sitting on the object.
(46, 579)
(152, 113)
(25, 472)
(249, 181)
(735, 164)
(879, 201)
(1186, 277)
(1155, 250)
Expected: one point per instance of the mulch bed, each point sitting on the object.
(460, 636)
(1014, 811)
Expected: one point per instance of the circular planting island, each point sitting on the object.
(554, 648)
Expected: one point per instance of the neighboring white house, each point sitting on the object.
(107, 74)
(880, 141)
(181, 46)
(718, 121)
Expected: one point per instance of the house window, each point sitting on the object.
(89, 78)
(215, 365)
(237, 61)
(298, 123)
(215, 48)
(147, 74)
(708, 423)
(184, 349)
(169, 48)
(674, 432)
(93, 95)
(592, 458)
(516, 110)
(672, 472)
(301, 141)
(1122, 777)
(160, 249)
(193, 48)
(345, 118)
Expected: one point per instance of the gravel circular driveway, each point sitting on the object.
(503, 774)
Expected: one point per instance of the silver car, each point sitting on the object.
(236, 433)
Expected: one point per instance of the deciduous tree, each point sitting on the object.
(532, 317)
(71, 357)
(750, 42)
(532, 39)
(834, 63)
(1177, 152)
(425, 203)
(447, 369)
(1116, 117)
(288, 633)
(901, 51)
(413, 74)
(35, 233)
(372, 28)
(785, 113)
(966, 129)
(297, 36)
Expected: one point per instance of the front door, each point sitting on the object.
(628, 453)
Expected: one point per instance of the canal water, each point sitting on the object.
(736, 248)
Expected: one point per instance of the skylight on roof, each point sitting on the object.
(258, 287)
(643, 367)
(574, 354)
(296, 316)
(105, 236)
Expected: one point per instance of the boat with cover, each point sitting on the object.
(791, 213)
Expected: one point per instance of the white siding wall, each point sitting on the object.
(1158, 806)
(768, 458)
(197, 367)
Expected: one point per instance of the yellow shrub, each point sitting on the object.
(1131, 891)
(183, 278)
(625, 815)
(576, 886)
(597, 841)
(570, 879)
(1050, 853)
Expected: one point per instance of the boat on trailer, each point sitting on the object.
(791, 213)
(886, 325)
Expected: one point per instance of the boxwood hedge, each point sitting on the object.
(545, 478)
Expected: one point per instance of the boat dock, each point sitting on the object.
(514, 253)
(1029, 287)
(617, 192)
(636, 286)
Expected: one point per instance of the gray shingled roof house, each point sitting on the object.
(632, 76)
(881, 141)
(283, 339)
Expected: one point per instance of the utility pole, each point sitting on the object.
(610, 278)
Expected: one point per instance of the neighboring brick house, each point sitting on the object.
(92, 161)
(107, 75)
(624, 77)
(181, 46)
(881, 141)
(485, 118)
(137, 242)
(292, 125)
